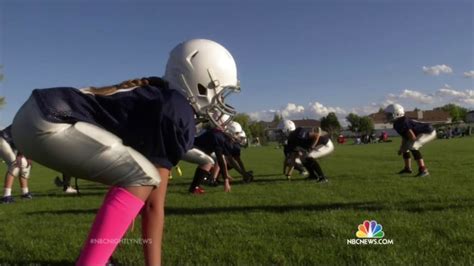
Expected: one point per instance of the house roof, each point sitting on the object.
(307, 123)
(429, 116)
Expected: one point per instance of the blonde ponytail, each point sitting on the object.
(108, 90)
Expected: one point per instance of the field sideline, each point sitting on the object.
(273, 221)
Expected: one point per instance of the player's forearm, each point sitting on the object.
(222, 164)
(411, 135)
(290, 165)
(233, 162)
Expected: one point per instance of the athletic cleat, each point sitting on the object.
(27, 196)
(405, 171)
(248, 177)
(312, 177)
(58, 182)
(322, 180)
(198, 190)
(7, 200)
(423, 173)
(304, 173)
(70, 190)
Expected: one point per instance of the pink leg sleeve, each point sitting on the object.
(115, 215)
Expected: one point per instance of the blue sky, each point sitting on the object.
(298, 58)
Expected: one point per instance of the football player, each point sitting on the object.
(285, 127)
(17, 166)
(308, 146)
(65, 183)
(236, 139)
(414, 135)
(208, 142)
(128, 136)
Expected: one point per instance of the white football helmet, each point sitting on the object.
(235, 130)
(242, 138)
(286, 126)
(205, 73)
(394, 111)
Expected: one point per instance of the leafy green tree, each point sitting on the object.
(366, 125)
(277, 119)
(354, 122)
(456, 112)
(257, 129)
(244, 121)
(331, 124)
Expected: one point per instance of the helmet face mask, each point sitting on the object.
(219, 109)
(206, 74)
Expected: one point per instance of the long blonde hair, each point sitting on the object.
(107, 90)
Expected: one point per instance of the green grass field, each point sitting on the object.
(273, 221)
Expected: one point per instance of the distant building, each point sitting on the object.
(470, 117)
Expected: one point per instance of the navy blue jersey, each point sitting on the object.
(300, 137)
(154, 120)
(235, 148)
(323, 140)
(6, 134)
(212, 141)
(403, 124)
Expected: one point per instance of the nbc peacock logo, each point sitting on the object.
(370, 229)
(370, 233)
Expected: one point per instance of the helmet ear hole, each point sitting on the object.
(202, 90)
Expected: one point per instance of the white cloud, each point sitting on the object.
(448, 94)
(292, 110)
(265, 115)
(296, 111)
(370, 108)
(437, 70)
(320, 110)
(469, 74)
(416, 96)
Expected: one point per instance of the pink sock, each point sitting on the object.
(118, 210)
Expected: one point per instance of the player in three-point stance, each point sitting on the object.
(128, 136)
(285, 127)
(414, 135)
(308, 146)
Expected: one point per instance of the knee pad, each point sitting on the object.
(196, 156)
(417, 154)
(13, 169)
(406, 155)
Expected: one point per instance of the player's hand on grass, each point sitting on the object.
(227, 185)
